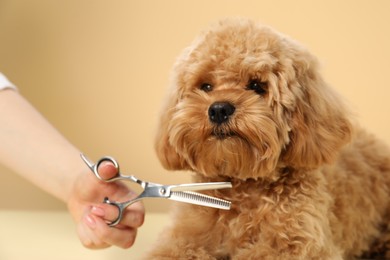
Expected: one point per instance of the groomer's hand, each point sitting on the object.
(91, 214)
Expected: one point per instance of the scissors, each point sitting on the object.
(179, 192)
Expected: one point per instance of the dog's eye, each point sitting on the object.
(206, 87)
(257, 86)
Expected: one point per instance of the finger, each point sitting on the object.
(133, 216)
(121, 237)
(88, 235)
(107, 170)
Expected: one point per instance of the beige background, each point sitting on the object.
(98, 69)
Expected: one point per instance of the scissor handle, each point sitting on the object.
(116, 165)
(120, 206)
(94, 167)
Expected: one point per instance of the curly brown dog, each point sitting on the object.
(248, 105)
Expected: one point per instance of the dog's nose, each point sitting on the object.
(219, 112)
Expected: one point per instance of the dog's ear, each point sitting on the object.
(320, 124)
(167, 153)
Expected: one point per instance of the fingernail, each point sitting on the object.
(90, 222)
(98, 211)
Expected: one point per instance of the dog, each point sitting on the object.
(248, 105)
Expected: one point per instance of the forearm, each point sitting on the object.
(33, 148)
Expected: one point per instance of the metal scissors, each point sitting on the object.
(177, 192)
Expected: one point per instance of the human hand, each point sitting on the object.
(91, 214)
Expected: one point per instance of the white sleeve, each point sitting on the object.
(5, 83)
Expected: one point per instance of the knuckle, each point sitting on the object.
(138, 219)
(136, 215)
(130, 241)
(87, 243)
(99, 245)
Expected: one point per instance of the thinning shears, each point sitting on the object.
(178, 192)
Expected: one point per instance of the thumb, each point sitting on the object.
(107, 170)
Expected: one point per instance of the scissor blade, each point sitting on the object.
(200, 199)
(201, 186)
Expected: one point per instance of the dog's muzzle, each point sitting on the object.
(219, 112)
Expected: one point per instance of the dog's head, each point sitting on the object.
(246, 100)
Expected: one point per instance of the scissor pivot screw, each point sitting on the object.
(162, 191)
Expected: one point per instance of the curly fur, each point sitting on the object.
(308, 183)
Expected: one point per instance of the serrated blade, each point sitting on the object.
(201, 186)
(200, 199)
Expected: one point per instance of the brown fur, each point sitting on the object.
(307, 182)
